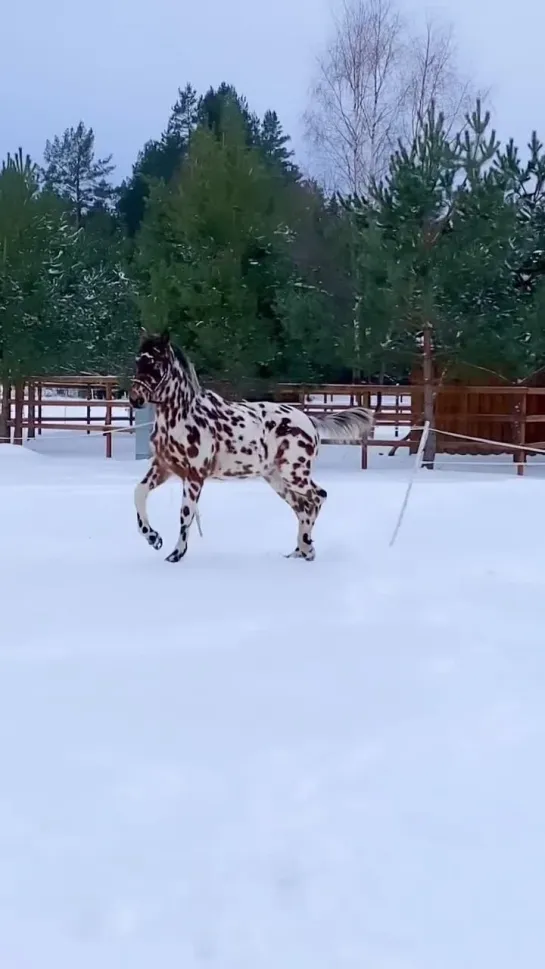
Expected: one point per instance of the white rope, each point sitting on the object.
(426, 429)
(416, 469)
(370, 443)
(120, 430)
(114, 429)
(479, 460)
(483, 440)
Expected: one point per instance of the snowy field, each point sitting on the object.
(249, 762)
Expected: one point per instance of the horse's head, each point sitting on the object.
(153, 368)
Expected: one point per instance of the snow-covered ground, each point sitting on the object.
(249, 762)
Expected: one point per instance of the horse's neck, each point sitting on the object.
(178, 394)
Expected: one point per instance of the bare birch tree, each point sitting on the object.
(373, 86)
(432, 74)
(354, 95)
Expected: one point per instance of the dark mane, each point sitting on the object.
(188, 368)
(182, 359)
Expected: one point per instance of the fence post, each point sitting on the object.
(108, 420)
(19, 413)
(520, 430)
(5, 413)
(31, 412)
(142, 432)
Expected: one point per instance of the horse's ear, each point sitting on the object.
(143, 334)
(164, 337)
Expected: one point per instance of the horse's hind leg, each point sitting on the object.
(190, 498)
(156, 476)
(306, 502)
(307, 506)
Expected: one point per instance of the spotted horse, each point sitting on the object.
(199, 435)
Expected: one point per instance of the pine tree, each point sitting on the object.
(72, 171)
(35, 234)
(98, 306)
(433, 216)
(438, 251)
(159, 159)
(183, 117)
(318, 298)
(219, 103)
(197, 245)
(216, 261)
(162, 158)
(23, 165)
(524, 186)
(65, 303)
(273, 143)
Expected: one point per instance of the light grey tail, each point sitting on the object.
(352, 424)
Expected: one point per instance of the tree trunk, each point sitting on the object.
(356, 371)
(5, 414)
(429, 398)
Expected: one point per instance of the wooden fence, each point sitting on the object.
(512, 416)
(96, 408)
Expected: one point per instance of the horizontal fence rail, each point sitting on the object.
(511, 416)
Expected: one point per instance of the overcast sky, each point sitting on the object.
(117, 64)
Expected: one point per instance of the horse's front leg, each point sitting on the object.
(190, 499)
(156, 476)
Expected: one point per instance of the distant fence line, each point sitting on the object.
(514, 416)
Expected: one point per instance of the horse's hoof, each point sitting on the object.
(155, 540)
(175, 556)
(298, 554)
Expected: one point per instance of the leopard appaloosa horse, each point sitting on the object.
(199, 435)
